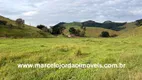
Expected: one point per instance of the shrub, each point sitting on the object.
(105, 34)
(20, 22)
(77, 32)
(3, 22)
(40, 26)
(139, 22)
(72, 30)
(43, 28)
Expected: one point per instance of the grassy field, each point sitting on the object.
(91, 31)
(71, 50)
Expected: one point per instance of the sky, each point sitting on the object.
(50, 12)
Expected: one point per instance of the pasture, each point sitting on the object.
(71, 50)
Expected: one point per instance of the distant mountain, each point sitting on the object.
(107, 25)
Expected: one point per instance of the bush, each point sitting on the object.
(105, 34)
(139, 22)
(3, 22)
(77, 32)
(43, 28)
(20, 22)
(40, 26)
(72, 30)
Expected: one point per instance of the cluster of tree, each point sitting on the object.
(139, 22)
(58, 29)
(90, 23)
(2, 22)
(77, 32)
(54, 30)
(43, 28)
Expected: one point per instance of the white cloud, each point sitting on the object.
(30, 13)
(54, 11)
(136, 12)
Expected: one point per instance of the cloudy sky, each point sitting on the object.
(49, 12)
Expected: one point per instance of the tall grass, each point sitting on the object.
(67, 50)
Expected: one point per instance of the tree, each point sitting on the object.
(139, 22)
(105, 34)
(77, 32)
(20, 22)
(40, 26)
(58, 29)
(72, 30)
(43, 28)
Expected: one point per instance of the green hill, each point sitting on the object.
(135, 32)
(94, 29)
(96, 32)
(132, 29)
(129, 26)
(91, 31)
(11, 29)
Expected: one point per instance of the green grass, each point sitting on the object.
(26, 32)
(96, 32)
(71, 50)
(90, 31)
(20, 32)
(133, 32)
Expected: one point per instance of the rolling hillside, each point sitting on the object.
(136, 32)
(95, 31)
(11, 29)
